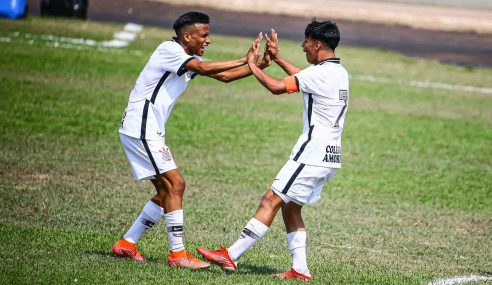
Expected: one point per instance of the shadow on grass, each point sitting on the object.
(244, 268)
(109, 254)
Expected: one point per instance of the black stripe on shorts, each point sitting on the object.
(291, 180)
(143, 130)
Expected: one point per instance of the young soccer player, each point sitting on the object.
(316, 155)
(163, 79)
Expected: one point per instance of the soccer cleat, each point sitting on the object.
(124, 248)
(292, 274)
(220, 257)
(185, 259)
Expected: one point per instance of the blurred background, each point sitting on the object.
(450, 31)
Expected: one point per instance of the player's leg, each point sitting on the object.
(170, 187)
(296, 237)
(151, 213)
(256, 228)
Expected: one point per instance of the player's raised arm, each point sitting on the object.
(272, 45)
(274, 85)
(211, 67)
(243, 71)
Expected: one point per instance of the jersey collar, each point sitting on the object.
(332, 60)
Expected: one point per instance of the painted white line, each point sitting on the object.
(438, 85)
(120, 39)
(131, 27)
(460, 280)
(426, 84)
(125, 36)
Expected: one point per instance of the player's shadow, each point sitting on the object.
(108, 254)
(247, 268)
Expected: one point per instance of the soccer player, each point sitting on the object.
(317, 153)
(142, 132)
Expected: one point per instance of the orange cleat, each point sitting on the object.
(292, 274)
(185, 259)
(124, 248)
(220, 257)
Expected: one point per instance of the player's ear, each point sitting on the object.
(186, 37)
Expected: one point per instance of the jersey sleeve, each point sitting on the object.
(173, 58)
(191, 72)
(308, 79)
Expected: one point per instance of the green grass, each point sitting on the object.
(412, 203)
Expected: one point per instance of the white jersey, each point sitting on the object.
(326, 92)
(163, 79)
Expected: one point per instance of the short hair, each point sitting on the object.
(190, 18)
(327, 32)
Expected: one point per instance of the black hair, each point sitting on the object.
(327, 32)
(190, 18)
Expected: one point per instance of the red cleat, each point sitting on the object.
(292, 274)
(220, 257)
(185, 259)
(124, 248)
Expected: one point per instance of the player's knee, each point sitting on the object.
(268, 201)
(179, 186)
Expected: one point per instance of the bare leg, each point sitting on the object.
(269, 205)
(291, 213)
(170, 187)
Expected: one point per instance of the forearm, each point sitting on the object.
(235, 73)
(288, 67)
(273, 84)
(211, 67)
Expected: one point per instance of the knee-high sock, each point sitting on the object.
(174, 223)
(151, 214)
(296, 242)
(252, 232)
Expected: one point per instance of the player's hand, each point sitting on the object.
(250, 51)
(272, 43)
(255, 50)
(266, 60)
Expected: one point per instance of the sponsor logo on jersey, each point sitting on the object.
(333, 154)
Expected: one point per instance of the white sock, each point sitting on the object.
(151, 214)
(296, 242)
(174, 223)
(252, 232)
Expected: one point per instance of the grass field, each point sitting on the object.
(412, 203)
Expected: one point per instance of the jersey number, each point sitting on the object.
(343, 96)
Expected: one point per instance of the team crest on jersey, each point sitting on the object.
(166, 154)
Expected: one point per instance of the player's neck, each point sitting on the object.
(180, 42)
(324, 55)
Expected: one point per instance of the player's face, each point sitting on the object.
(309, 47)
(198, 38)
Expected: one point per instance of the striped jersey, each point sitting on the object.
(163, 79)
(325, 88)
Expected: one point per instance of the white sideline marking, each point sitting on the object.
(120, 39)
(460, 280)
(427, 84)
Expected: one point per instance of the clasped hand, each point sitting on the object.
(271, 49)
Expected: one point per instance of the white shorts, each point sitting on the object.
(147, 158)
(300, 183)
